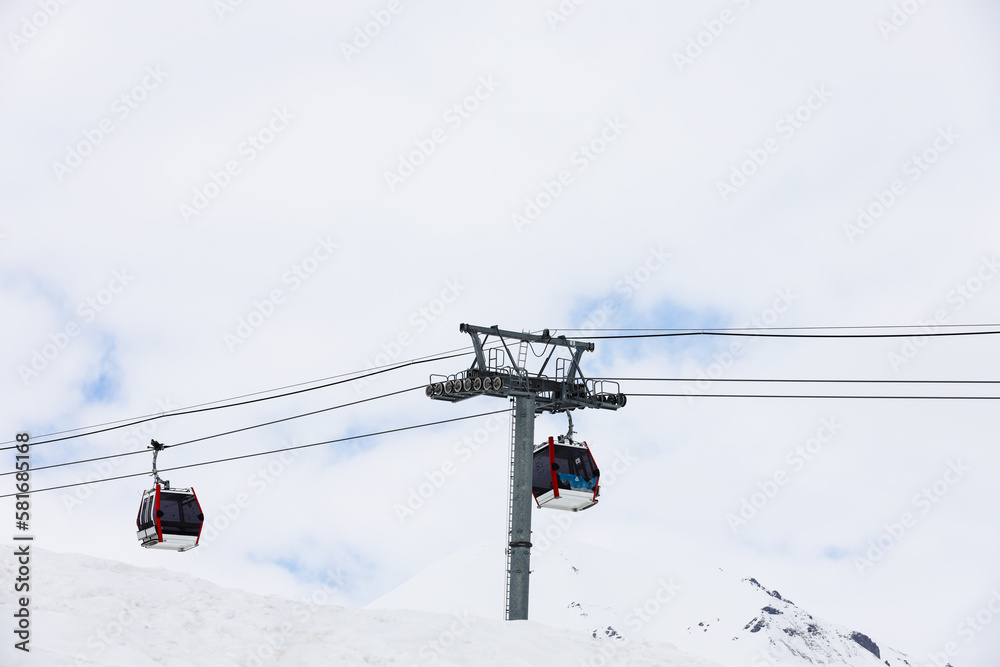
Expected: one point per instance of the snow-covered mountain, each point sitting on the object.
(589, 607)
(88, 612)
(736, 621)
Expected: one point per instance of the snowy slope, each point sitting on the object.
(735, 621)
(87, 611)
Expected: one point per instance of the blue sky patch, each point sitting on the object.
(617, 312)
(103, 388)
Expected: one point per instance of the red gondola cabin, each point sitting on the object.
(565, 476)
(169, 519)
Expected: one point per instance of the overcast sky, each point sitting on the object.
(206, 200)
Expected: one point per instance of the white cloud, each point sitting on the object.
(653, 187)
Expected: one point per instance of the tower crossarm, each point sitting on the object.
(501, 374)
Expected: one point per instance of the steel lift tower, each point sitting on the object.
(497, 372)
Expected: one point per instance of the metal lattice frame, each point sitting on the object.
(499, 374)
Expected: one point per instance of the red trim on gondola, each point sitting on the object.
(552, 467)
(202, 524)
(597, 480)
(156, 518)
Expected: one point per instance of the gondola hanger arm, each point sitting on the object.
(158, 447)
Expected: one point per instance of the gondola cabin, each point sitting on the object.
(564, 476)
(169, 519)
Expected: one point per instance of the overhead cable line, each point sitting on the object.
(827, 328)
(795, 380)
(758, 334)
(831, 396)
(212, 405)
(272, 451)
(197, 405)
(218, 435)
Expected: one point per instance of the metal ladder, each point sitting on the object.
(522, 358)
